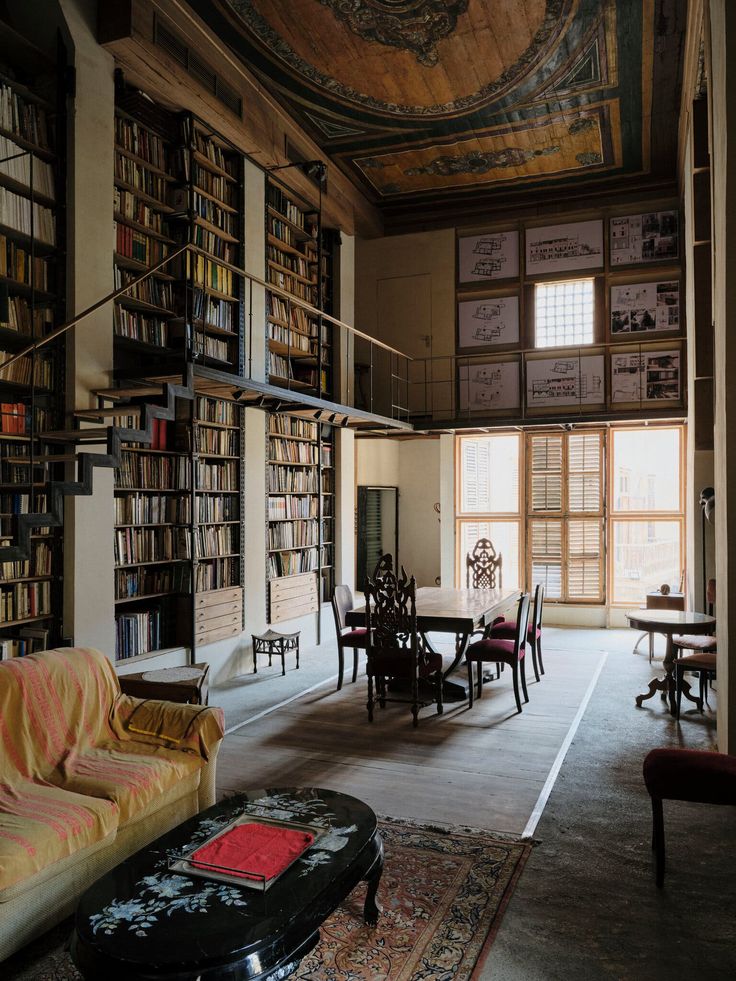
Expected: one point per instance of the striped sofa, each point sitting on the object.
(87, 777)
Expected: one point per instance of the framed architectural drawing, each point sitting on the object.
(561, 248)
(488, 386)
(493, 255)
(645, 307)
(645, 238)
(483, 323)
(565, 380)
(650, 376)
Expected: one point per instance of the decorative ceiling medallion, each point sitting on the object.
(477, 162)
(550, 28)
(412, 25)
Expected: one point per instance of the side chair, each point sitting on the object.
(698, 654)
(502, 629)
(500, 651)
(483, 566)
(354, 639)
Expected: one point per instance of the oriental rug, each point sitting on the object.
(443, 894)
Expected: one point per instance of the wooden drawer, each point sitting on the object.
(213, 612)
(293, 596)
(216, 597)
(206, 635)
(203, 622)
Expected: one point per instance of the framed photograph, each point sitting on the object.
(565, 380)
(488, 386)
(561, 248)
(645, 307)
(653, 237)
(484, 323)
(492, 255)
(651, 376)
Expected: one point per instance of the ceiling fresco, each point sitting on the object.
(429, 99)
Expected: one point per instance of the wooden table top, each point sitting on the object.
(452, 610)
(671, 621)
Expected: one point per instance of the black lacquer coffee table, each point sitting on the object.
(146, 920)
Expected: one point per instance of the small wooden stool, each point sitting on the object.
(272, 642)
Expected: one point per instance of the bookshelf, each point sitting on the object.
(300, 516)
(218, 452)
(209, 198)
(146, 320)
(31, 304)
(299, 263)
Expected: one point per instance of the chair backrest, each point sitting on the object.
(391, 613)
(483, 566)
(538, 604)
(385, 564)
(342, 604)
(522, 623)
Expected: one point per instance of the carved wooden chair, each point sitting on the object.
(396, 652)
(354, 639)
(483, 566)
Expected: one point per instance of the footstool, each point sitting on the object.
(274, 643)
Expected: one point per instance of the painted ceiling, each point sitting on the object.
(430, 99)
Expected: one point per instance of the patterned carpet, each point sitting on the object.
(443, 896)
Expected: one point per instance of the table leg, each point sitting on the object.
(452, 691)
(665, 685)
(686, 691)
(372, 907)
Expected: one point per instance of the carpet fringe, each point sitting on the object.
(439, 828)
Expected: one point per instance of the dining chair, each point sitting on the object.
(483, 566)
(702, 658)
(500, 651)
(396, 653)
(700, 776)
(355, 639)
(503, 629)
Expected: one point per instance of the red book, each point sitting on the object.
(252, 851)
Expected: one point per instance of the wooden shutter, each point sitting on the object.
(584, 554)
(584, 482)
(546, 473)
(546, 556)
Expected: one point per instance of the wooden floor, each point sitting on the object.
(483, 768)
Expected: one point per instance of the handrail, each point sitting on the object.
(295, 301)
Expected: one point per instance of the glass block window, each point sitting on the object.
(563, 313)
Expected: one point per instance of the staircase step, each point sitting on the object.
(93, 435)
(132, 392)
(43, 458)
(110, 412)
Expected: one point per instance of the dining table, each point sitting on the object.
(669, 623)
(460, 612)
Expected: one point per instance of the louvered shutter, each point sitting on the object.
(584, 486)
(546, 473)
(546, 553)
(584, 541)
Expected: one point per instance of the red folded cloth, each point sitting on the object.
(252, 851)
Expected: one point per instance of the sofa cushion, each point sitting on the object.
(130, 773)
(42, 824)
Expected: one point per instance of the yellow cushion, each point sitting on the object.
(190, 728)
(127, 772)
(41, 824)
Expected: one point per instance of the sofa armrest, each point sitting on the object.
(190, 728)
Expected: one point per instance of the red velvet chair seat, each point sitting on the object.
(493, 649)
(397, 664)
(354, 638)
(695, 642)
(705, 661)
(506, 630)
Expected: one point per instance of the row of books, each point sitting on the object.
(283, 480)
(206, 273)
(206, 208)
(205, 239)
(326, 454)
(291, 563)
(281, 203)
(28, 218)
(137, 633)
(30, 640)
(159, 434)
(214, 540)
(278, 366)
(285, 281)
(21, 371)
(217, 410)
(212, 150)
(298, 342)
(280, 508)
(279, 229)
(152, 509)
(25, 320)
(217, 574)
(135, 245)
(218, 187)
(296, 317)
(139, 140)
(129, 205)
(38, 565)
(17, 164)
(14, 418)
(214, 313)
(225, 442)
(139, 326)
(134, 545)
(153, 472)
(218, 476)
(17, 263)
(140, 177)
(288, 260)
(212, 508)
(24, 600)
(16, 503)
(145, 581)
(282, 425)
(26, 119)
(284, 450)
(287, 534)
(152, 290)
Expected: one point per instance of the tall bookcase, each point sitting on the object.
(300, 515)
(210, 200)
(299, 265)
(31, 305)
(218, 533)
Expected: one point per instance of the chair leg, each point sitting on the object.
(355, 664)
(658, 840)
(516, 685)
(539, 655)
(471, 680)
(679, 674)
(533, 645)
(415, 701)
(703, 687)
(480, 679)
(381, 686)
(340, 665)
(439, 678)
(370, 698)
(523, 678)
